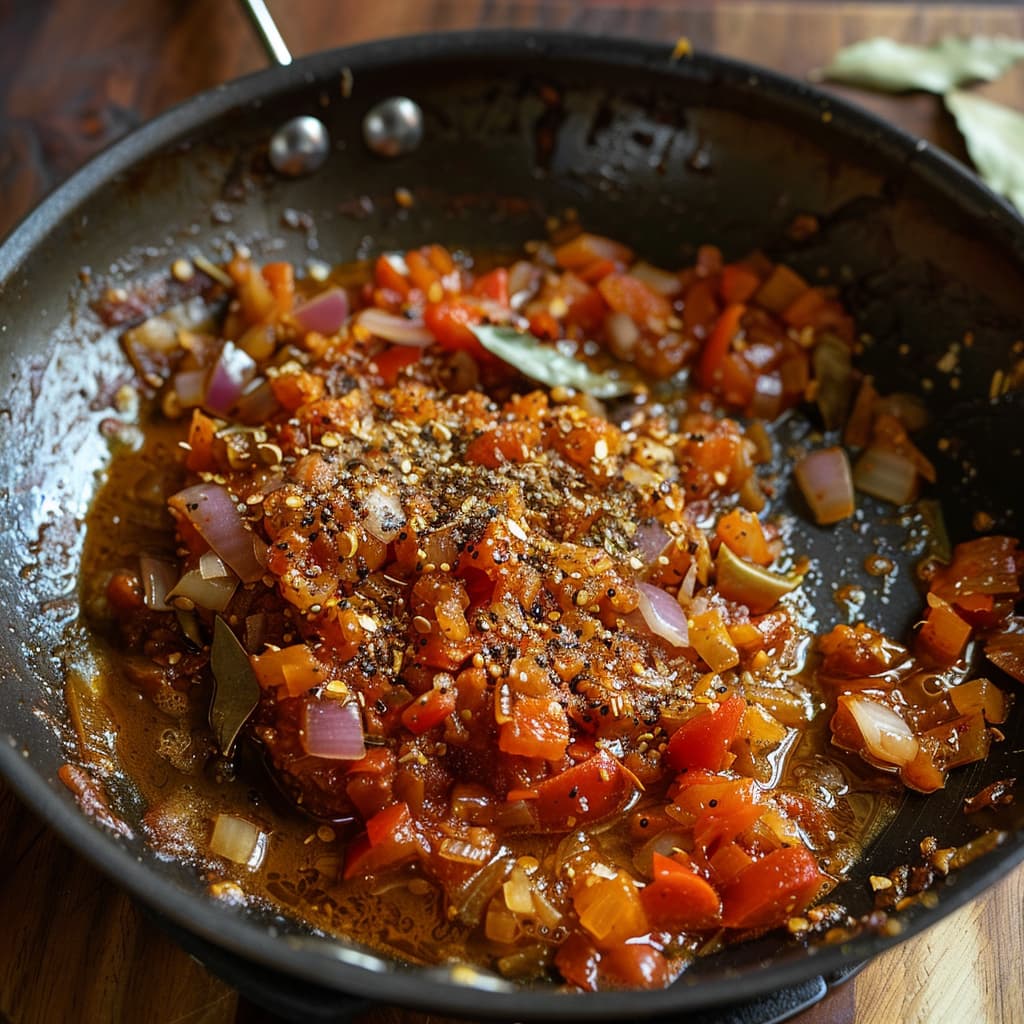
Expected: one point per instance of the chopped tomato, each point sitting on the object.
(704, 740)
(429, 709)
(392, 360)
(493, 286)
(627, 294)
(586, 249)
(712, 359)
(635, 965)
(539, 728)
(450, 321)
(772, 889)
(582, 794)
(738, 283)
(679, 898)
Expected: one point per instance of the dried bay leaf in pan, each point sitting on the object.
(889, 66)
(236, 690)
(546, 364)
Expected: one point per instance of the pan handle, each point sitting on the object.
(266, 28)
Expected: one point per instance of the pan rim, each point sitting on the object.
(411, 987)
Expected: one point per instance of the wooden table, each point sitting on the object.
(73, 77)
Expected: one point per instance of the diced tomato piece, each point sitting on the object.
(394, 821)
(281, 278)
(493, 286)
(584, 793)
(741, 531)
(585, 249)
(539, 728)
(429, 709)
(709, 369)
(704, 741)
(627, 294)
(450, 321)
(393, 360)
(202, 433)
(421, 272)
(294, 668)
(634, 965)
(391, 839)
(577, 960)
(772, 889)
(738, 283)
(679, 898)
(387, 276)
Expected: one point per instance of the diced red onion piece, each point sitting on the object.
(215, 516)
(689, 583)
(158, 578)
(333, 729)
(886, 736)
(228, 377)
(397, 329)
(325, 313)
(214, 594)
(384, 515)
(663, 615)
(650, 540)
(212, 567)
(257, 403)
(887, 475)
(190, 386)
(824, 478)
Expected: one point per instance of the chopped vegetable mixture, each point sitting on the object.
(476, 559)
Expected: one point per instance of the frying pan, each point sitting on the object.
(518, 125)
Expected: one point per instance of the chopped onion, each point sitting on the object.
(833, 371)
(1006, 651)
(233, 370)
(158, 577)
(209, 508)
(333, 729)
(211, 567)
(462, 851)
(384, 515)
(887, 475)
(824, 478)
(518, 892)
(523, 282)
(189, 386)
(238, 840)
(659, 280)
(650, 540)
(886, 736)
(257, 403)
(622, 333)
(214, 594)
(663, 615)
(325, 313)
(396, 329)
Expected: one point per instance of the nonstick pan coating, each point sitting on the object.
(518, 125)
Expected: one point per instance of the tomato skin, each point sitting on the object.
(392, 360)
(577, 960)
(428, 710)
(704, 741)
(634, 965)
(772, 889)
(493, 286)
(585, 793)
(450, 321)
(539, 728)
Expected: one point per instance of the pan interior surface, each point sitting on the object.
(665, 155)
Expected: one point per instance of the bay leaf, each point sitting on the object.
(236, 691)
(995, 139)
(889, 66)
(539, 361)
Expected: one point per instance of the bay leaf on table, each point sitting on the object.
(889, 66)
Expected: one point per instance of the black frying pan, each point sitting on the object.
(665, 154)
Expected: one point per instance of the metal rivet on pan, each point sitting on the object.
(394, 126)
(299, 146)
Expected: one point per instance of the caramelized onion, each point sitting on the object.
(238, 840)
(886, 736)
(824, 478)
(887, 475)
(158, 577)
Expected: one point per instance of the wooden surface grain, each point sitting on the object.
(74, 76)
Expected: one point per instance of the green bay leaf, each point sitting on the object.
(995, 139)
(889, 66)
(236, 691)
(546, 364)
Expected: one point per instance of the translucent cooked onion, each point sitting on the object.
(158, 578)
(650, 540)
(1007, 652)
(213, 594)
(886, 736)
(324, 314)
(210, 509)
(333, 729)
(190, 387)
(824, 478)
(384, 515)
(887, 475)
(397, 329)
(663, 615)
(623, 334)
(238, 840)
(229, 376)
(661, 281)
